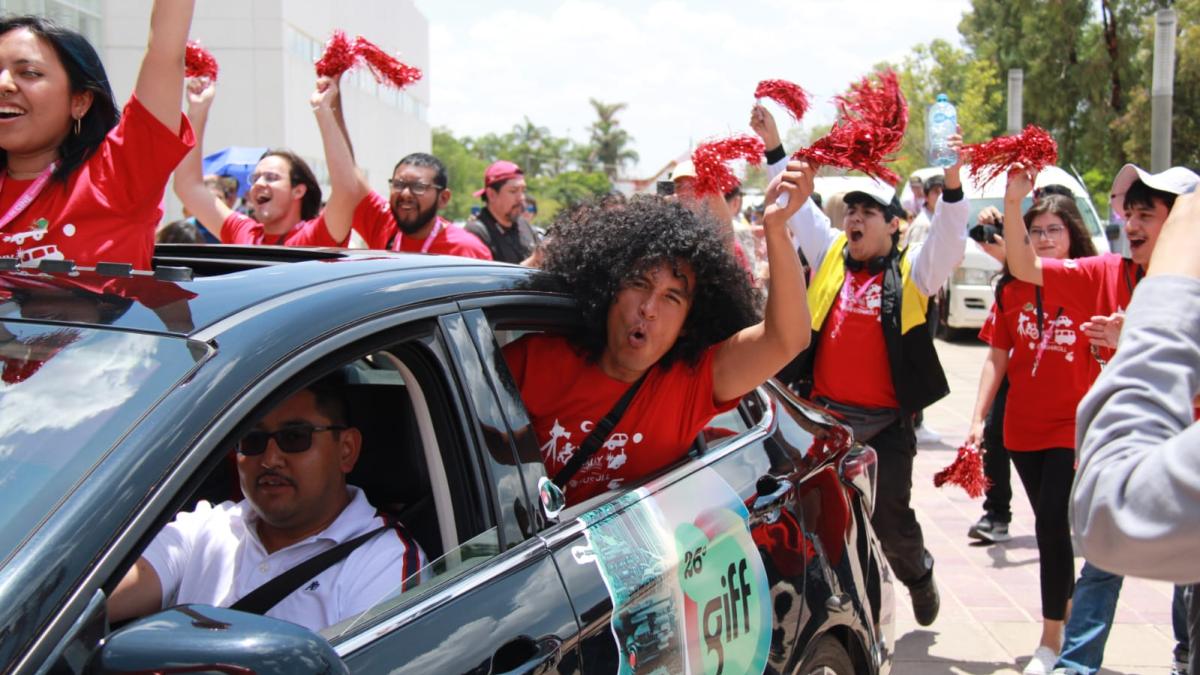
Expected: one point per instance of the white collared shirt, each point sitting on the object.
(213, 556)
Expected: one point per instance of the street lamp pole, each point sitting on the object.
(1162, 90)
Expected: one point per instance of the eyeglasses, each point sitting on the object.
(271, 176)
(416, 187)
(1052, 231)
(291, 439)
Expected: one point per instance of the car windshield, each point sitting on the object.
(67, 394)
(1085, 209)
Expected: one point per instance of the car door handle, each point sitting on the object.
(773, 492)
(526, 656)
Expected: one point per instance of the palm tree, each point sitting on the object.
(609, 140)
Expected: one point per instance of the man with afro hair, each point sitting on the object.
(666, 308)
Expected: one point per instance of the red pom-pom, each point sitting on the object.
(1033, 148)
(786, 94)
(340, 55)
(871, 127)
(384, 66)
(966, 471)
(199, 62)
(713, 175)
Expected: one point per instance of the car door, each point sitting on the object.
(495, 603)
(667, 576)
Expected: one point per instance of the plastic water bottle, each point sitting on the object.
(941, 123)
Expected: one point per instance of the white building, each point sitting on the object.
(266, 50)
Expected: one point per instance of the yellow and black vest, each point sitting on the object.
(917, 373)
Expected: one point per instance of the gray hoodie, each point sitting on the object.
(1136, 501)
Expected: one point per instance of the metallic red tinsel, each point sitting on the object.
(1033, 148)
(790, 96)
(339, 56)
(713, 175)
(873, 119)
(199, 62)
(384, 66)
(966, 471)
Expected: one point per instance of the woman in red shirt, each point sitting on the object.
(1036, 341)
(81, 180)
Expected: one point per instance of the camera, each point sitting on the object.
(666, 188)
(984, 233)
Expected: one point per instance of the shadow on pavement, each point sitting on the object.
(999, 553)
(912, 656)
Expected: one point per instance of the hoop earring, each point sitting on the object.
(78, 123)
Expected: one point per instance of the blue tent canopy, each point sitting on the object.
(237, 161)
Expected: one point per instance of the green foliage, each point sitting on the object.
(464, 170)
(560, 172)
(1098, 183)
(609, 140)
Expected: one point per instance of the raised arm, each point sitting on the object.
(339, 113)
(1023, 261)
(160, 80)
(809, 226)
(189, 175)
(347, 184)
(756, 353)
(935, 258)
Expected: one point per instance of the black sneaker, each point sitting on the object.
(989, 530)
(925, 600)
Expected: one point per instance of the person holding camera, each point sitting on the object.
(1036, 342)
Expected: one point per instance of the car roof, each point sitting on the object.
(994, 189)
(211, 283)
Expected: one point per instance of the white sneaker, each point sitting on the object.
(927, 435)
(1042, 662)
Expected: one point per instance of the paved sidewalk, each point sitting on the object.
(990, 619)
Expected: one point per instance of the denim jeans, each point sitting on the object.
(1092, 608)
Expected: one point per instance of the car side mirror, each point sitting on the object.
(199, 638)
(551, 498)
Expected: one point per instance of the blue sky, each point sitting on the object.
(686, 69)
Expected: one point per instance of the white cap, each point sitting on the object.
(684, 169)
(877, 190)
(1175, 180)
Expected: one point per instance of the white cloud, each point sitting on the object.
(686, 69)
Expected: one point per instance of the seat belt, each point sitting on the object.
(266, 596)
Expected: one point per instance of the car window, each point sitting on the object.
(1085, 209)
(76, 391)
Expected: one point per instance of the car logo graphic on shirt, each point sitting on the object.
(41, 224)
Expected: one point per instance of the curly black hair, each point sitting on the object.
(596, 247)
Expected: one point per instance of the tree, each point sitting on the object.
(609, 141)
(1134, 125)
(464, 171)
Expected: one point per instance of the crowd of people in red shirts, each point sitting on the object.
(674, 317)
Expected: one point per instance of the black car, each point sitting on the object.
(122, 393)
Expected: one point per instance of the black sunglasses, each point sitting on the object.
(290, 439)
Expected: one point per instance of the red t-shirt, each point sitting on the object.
(373, 220)
(1049, 370)
(1105, 281)
(108, 208)
(566, 395)
(239, 228)
(852, 365)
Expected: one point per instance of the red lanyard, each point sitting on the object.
(437, 229)
(31, 193)
(1037, 357)
(847, 297)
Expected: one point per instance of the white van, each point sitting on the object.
(964, 302)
